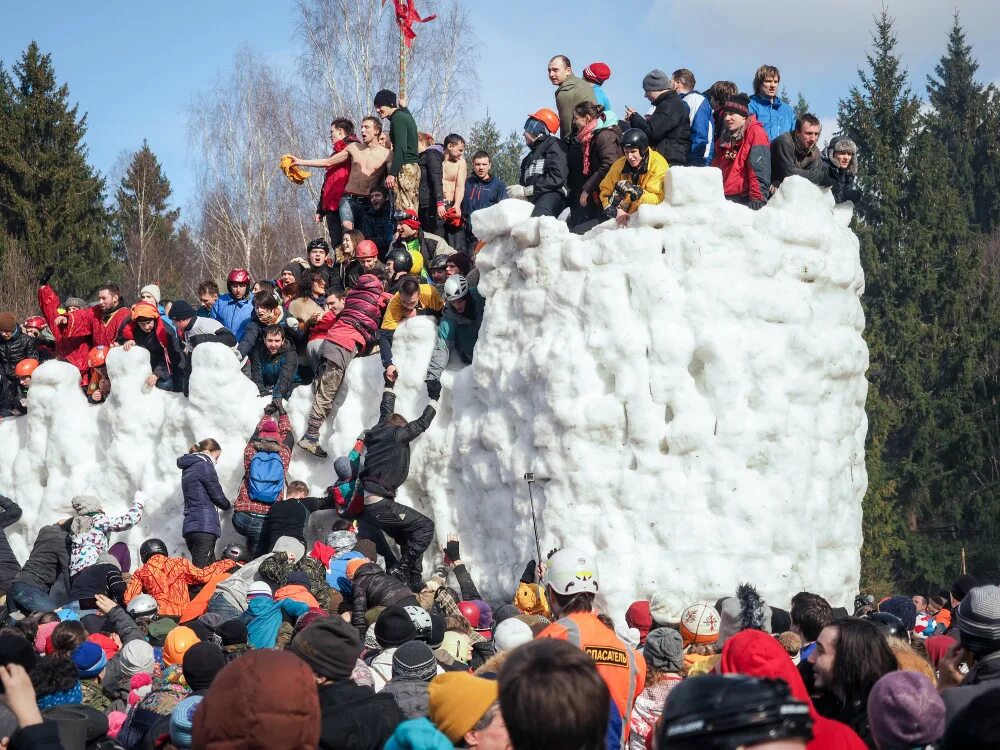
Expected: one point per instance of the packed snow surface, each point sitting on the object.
(689, 393)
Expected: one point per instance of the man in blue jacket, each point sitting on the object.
(700, 115)
(234, 310)
(481, 190)
(774, 114)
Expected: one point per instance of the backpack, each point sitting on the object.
(266, 479)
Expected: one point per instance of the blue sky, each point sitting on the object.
(134, 67)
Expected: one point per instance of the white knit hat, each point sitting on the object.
(665, 608)
(511, 633)
(153, 289)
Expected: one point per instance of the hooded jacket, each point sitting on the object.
(166, 579)
(355, 718)
(274, 374)
(264, 617)
(72, 349)
(545, 169)
(373, 587)
(746, 165)
(773, 114)
(459, 331)
(10, 513)
(203, 494)
(387, 461)
(48, 560)
(757, 654)
(571, 92)
(668, 128)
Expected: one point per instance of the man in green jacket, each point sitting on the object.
(404, 172)
(570, 92)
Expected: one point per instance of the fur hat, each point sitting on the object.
(665, 608)
(745, 611)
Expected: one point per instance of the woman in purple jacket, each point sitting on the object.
(203, 498)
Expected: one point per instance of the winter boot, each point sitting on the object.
(312, 445)
(401, 573)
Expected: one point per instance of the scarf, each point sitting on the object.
(731, 137)
(584, 136)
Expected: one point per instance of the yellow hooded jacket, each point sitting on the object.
(651, 181)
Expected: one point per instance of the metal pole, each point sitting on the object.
(530, 479)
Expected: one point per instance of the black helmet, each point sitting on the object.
(235, 552)
(717, 712)
(439, 262)
(152, 547)
(401, 260)
(318, 242)
(635, 138)
(889, 624)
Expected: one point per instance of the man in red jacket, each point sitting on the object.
(337, 174)
(100, 322)
(72, 349)
(743, 153)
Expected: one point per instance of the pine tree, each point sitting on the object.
(145, 225)
(505, 153)
(801, 106)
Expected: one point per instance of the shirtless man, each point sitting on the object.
(368, 167)
(454, 170)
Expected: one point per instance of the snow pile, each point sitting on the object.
(689, 393)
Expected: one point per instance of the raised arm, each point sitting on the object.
(126, 521)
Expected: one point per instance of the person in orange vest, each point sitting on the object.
(571, 585)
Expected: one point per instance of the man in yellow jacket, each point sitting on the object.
(634, 179)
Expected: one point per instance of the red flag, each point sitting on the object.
(406, 16)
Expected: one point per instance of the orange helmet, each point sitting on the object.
(25, 367)
(548, 118)
(178, 641)
(366, 249)
(98, 356)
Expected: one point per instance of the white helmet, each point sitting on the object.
(142, 606)
(572, 571)
(455, 287)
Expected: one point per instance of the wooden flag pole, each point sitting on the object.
(963, 561)
(402, 66)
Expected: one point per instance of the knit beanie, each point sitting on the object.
(74, 302)
(43, 636)
(656, 80)
(979, 620)
(297, 578)
(737, 104)
(385, 98)
(89, 659)
(394, 627)
(135, 657)
(290, 545)
(343, 468)
(233, 632)
(463, 261)
(86, 505)
(181, 310)
(201, 663)
(638, 616)
(665, 608)
(414, 661)
(596, 73)
(510, 634)
(485, 614)
(458, 700)
(152, 289)
(903, 608)
(905, 710)
(664, 650)
(699, 624)
(329, 646)
(269, 430)
(259, 588)
(181, 721)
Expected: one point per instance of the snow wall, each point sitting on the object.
(689, 393)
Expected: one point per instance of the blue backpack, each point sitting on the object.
(267, 477)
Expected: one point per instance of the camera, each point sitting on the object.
(622, 190)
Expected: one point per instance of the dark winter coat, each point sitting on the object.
(482, 193)
(326, 271)
(411, 695)
(253, 334)
(162, 344)
(203, 495)
(10, 513)
(982, 678)
(379, 227)
(841, 180)
(668, 128)
(431, 163)
(274, 374)
(355, 717)
(605, 148)
(788, 158)
(387, 460)
(545, 169)
(372, 587)
(346, 273)
(289, 518)
(91, 581)
(48, 560)
(19, 346)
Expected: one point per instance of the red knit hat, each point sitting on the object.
(597, 73)
(269, 430)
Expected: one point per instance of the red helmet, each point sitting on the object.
(98, 356)
(238, 276)
(35, 321)
(25, 367)
(470, 612)
(366, 249)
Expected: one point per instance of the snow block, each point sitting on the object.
(688, 392)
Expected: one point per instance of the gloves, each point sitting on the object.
(516, 191)
(115, 585)
(389, 382)
(451, 550)
(46, 275)
(271, 408)
(276, 404)
(529, 572)
(433, 389)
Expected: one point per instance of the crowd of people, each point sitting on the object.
(321, 629)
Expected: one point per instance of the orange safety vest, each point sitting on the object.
(621, 668)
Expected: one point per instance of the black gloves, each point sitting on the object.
(116, 587)
(46, 275)
(389, 382)
(529, 572)
(433, 389)
(451, 550)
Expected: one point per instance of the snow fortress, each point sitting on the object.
(688, 392)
